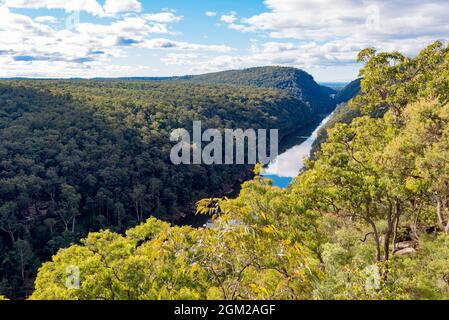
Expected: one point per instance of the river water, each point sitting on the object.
(291, 162)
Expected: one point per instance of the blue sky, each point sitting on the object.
(112, 38)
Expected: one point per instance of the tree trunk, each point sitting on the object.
(395, 232)
(387, 246)
(439, 215)
(137, 210)
(446, 212)
(22, 267)
(390, 221)
(397, 218)
(376, 239)
(11, 236)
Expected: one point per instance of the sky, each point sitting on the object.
(116, 38)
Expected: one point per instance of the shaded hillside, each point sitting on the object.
(329, 91)
(348, 92)
(295, 81)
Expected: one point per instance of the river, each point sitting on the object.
(291, 162)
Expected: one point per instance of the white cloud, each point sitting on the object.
(360, 22)
(35, 48)
(60, 69)
(89, 6)
(46, 19)
(163, 17)
(210, 13)
(111, 7)
(229, 18)
(326, 33)
(308, 55)
(201, 63)
(179, 45)
(118, 6)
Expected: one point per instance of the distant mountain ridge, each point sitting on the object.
(295, 81)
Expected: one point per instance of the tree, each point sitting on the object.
(9, 222)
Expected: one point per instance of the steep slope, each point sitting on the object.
(297, 82)
(343, 112)
(348, 92)
(328, 90)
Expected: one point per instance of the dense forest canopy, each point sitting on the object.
(79, 156)
(368, 219)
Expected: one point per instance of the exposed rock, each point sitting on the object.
(405, 251)
(405, 245)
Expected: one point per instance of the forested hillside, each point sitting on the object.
(348, 92)
(80, 156)
(368, 219)
(295, 81)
